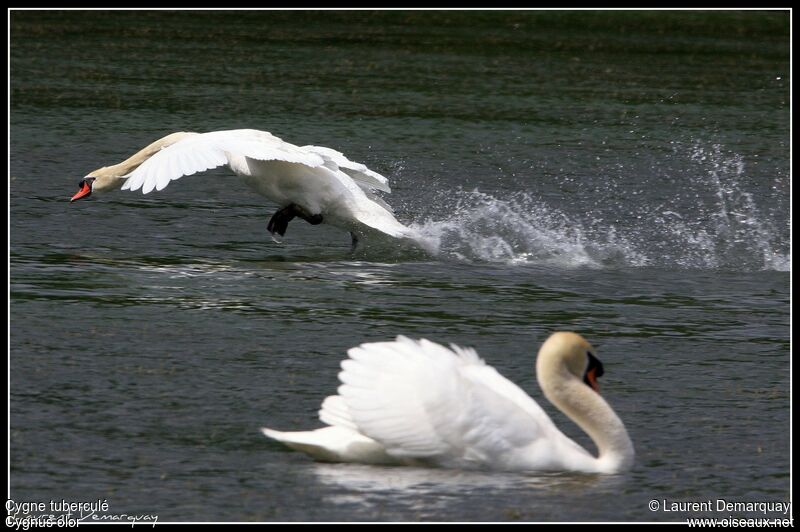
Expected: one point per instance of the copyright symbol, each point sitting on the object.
(653, 505)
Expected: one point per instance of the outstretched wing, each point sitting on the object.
(363, 176)
(420, 399)
(201, 152)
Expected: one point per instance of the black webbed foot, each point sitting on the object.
(313, 219)
(280, 220)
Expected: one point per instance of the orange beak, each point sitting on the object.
(85, 190)
(591, 379)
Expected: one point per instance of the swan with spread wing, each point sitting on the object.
(409, 402)
(314, 183)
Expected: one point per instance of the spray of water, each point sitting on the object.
(714, 223)
(520, 229)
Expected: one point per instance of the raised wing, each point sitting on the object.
(421, 400)
(201, 152)
(363, 176)
(334, 412)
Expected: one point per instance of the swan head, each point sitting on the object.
(100, 180)
(567, 371)
(565, 356)
(113, 177)
(84, 188)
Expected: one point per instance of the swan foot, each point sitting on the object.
(313, 219)
(280, 220)
(353, 242)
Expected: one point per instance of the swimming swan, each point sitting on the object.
(413, 402)
(314, 183)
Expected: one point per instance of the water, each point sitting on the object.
(621, 174)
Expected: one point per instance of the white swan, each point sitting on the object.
(419, 403)
(314, 183)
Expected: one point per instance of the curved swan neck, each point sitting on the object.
(592, 414)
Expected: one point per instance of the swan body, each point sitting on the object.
(411, 402)
(314, 183)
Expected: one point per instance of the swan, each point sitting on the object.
(314, 183)
(416, 402)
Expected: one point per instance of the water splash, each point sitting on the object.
(715, 223)
(521, 229)
(711, 222)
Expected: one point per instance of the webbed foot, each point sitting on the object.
(280, 220)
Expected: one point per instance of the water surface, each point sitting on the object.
(621, 174)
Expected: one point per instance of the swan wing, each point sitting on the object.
(334, 412)
(419, 399)
(204, 151)
(363, 176)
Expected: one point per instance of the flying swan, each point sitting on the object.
(313, 183)
(411, 402)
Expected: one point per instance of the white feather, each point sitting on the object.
(419, 402)
(321, 180)
(362, 175)
(334, 412)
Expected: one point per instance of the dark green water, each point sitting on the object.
(621, 174)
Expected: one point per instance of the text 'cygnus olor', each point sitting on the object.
(419, 403)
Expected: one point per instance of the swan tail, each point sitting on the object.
(308, 442)
(333, 444)
(386, 223)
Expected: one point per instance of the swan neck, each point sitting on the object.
(110, 177)
(595, 417)
(134, 161)
(131, 163)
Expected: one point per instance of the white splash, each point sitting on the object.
(722, 225)
(711, 222)
(520, 229)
